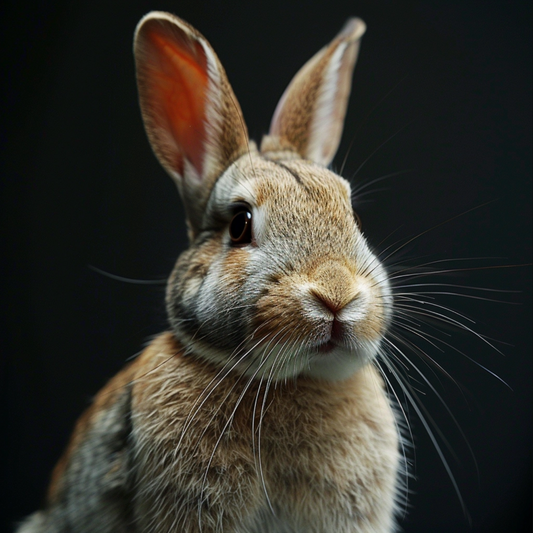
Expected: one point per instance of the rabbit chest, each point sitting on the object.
(297, 456)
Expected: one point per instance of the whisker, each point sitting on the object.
(459, 287)
(398, 430)
(356, 192)
(208, 395)
(411, 299)
(447, 409)
(454, 270)
(448, 320)
(226, 426)
(418, 406)
(405, 126)
(368, 115)
(438, 226)
(128, 280)
(476, 363)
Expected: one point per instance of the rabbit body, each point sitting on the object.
(327, 449)
(261, 410)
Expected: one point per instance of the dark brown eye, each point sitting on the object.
(240, 228)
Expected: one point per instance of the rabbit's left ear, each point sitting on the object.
(191, 116)
(310, 115)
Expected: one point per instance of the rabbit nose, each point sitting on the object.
(332, 304)
(331, 309)
(333, 286)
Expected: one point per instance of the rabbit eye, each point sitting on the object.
(240, 228)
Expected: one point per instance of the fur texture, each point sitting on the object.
(304, 456)
(261, 410)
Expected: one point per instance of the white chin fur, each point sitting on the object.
(340, 363)
(289, 362)
(286, 362)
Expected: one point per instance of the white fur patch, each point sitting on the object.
(325, 119)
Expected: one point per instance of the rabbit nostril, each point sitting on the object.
(328, 303)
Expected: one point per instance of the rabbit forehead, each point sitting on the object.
(260, 180)
(289, 196)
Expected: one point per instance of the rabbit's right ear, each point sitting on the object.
(191, 116)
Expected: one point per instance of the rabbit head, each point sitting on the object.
(278, 280)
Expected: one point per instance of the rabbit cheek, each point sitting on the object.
(205, 299)
(280, 317)
(219, 301)
(366, 315)
(186, 282)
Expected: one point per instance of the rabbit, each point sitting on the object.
(261, 409)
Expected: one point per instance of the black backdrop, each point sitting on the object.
(80, 188)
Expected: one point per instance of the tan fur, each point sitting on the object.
(106, 397)
(293, 127)
(261, 410)
(335, 268)
(319, 442)
(224, 140)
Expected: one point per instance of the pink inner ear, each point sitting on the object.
(176, 83)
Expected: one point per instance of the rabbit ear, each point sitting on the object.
(191, 116)
(310, 115)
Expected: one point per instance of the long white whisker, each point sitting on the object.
(418, 406)
(398, 430)
(448, 320)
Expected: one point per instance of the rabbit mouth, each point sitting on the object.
(334, 344)
(337, 331)
(333, 336)
(327, 347)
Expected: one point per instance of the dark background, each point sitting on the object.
(446, 84)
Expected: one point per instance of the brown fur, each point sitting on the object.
(230, 137)
(292, 127)
(103, 400)
(261, 410)
(310, 432)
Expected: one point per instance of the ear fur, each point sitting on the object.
(191, 116)
(310, 115)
